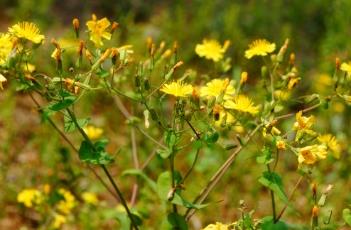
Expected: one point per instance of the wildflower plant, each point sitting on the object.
(179, 112)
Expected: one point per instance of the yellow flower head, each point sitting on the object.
(177, 89)
(310, 154)
(302, 122)
(27, 30)
(346, 67)
(259, 47)
(93, 132)
(332, 143)
(222, 117)
(241, 103)
(281, 145)
(90, 198)
(28, 197)
(211, 49)
(2, 80)
(216, 88)
(67, 203)
(217, 226)
(58, 221)
(97, 29)
(6, 45)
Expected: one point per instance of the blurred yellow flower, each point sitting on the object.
(97, 29)
(281, 145)
(2, 80)
(6, 45)
(282, 95)
(346, 67)
(27, 30)
(293, 82)
(310, 154)
(260, 47)
(93, 132)
(90, 198)
(243, 77)
(177, 89)
(332, 143)
(323, 83)
(216, 88)
(211, 49)
(217, 226)
(222, 117)
(241, 103)
(28, 67)
(302, 122)
(29, 197)
(58, 221)
(67, 203)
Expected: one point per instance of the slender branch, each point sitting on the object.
(290, 197)
(192, 166)
(120, 195)
(303, 111)
(274, 212)
(63, 135)
(218, 175)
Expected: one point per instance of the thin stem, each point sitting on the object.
(120, 195)
(290, 197)
(192, 166)
(136, 165)
(171, 162)
(63, 135)
(218, 175)
(274, 212)
(303, 111)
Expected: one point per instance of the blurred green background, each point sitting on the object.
(319, 31)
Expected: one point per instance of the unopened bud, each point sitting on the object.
(243, 77)
(80, 48)
(281, 145)
(167, 53)
(114, 27)
(315, 211)
(178, 64)
(264, 72)
(89, 56)
(75, 23)
(149, 43)
(175, 47)
(337, 63)
(292, 59)
(282, 51)
(226, 45)
(105, 55)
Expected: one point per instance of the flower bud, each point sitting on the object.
(243, 77)
(337, 63)
(281, 145)
(114, 26)
(75, 23)
(292, 59)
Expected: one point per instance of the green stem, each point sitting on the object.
(119, 193)
(273, 201)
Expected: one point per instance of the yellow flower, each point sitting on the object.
(302, 122)
(310, 154)
(68, 203)
(281, 145)
(90, 198)
(346, 67)
(241, 103)
(2, 80)
(6, 45)
(58, 221)
(177, 88)
(323, 83)
(332, 143)
(282, 95)
(217, 226)
(293, 82)
(28, 67)
(216, 88)
(29, 197)
(211, 49)
(222, 117)
(27, 30)
(259, 47)
(97, 29)
(93, 132)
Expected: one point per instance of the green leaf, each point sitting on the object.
(94, 154)
(164, 185)
(171, 139)
(274, 182)
(69, 125)
(179, 200)
(65, 103)
(346, 215)
(177, 221)
(211, 137)
(266, 156)
(268, 224)
(164, 153)
(141, 174)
